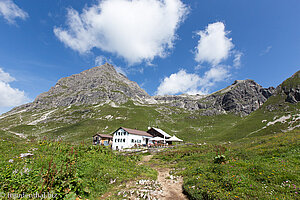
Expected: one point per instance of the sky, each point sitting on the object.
(166, 46)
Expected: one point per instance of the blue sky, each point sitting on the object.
(166, 46)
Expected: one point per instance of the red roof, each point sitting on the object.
(137, 132)
(104, 135)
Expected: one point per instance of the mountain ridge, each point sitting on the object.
(103, 84)
(243, 109)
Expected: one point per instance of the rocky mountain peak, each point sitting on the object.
(98, 84)
(242, 97)
(103, 84)
(236, 82)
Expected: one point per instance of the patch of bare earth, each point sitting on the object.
(166, 187)
(171, 185)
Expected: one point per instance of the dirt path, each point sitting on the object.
(166, 187)
(171, 186)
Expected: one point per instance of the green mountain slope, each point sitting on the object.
(80, 123)
(76, 122)
(277, 114)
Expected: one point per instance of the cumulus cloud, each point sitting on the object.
(180, 82)
(10, 96)
(213, 49)
(213, 46)
(137, 30)
(214, 75)
(10, 11)
(192, 83)
(5, 77)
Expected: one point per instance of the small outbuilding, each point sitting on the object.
(156, 132)
(102, 139)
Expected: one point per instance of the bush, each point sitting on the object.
(219, 159)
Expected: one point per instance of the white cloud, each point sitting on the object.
(214, 46)
(10, 96)
(10, 11)
(137, 30)
(180, 82)
(5, 77)
(191, 83)
(214, 75)
(267, 50)
(237, 59)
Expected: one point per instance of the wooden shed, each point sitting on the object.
(102, 139)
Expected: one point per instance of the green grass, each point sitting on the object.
(292, 82)
(79, 123)
(254, 168)
(254, 125)
(69, 171)
(84, 121)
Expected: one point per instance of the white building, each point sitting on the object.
(127, 138)
(156, 132)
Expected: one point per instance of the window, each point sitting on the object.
(123, 140)
(115, 140)
(132, 140)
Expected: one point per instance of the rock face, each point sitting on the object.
(242, 97)
(189, 102)
(103, 84)
(291, 88)
(96, 85)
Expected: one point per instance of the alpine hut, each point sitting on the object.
(127, 138)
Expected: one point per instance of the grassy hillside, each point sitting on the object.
(262, 168)
(79, 123)
(76, 124)
(69, 171)
(292, 82)
(274, 116)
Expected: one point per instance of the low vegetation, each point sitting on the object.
(63, 169)
(263, 168)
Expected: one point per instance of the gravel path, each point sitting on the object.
(166, 187)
